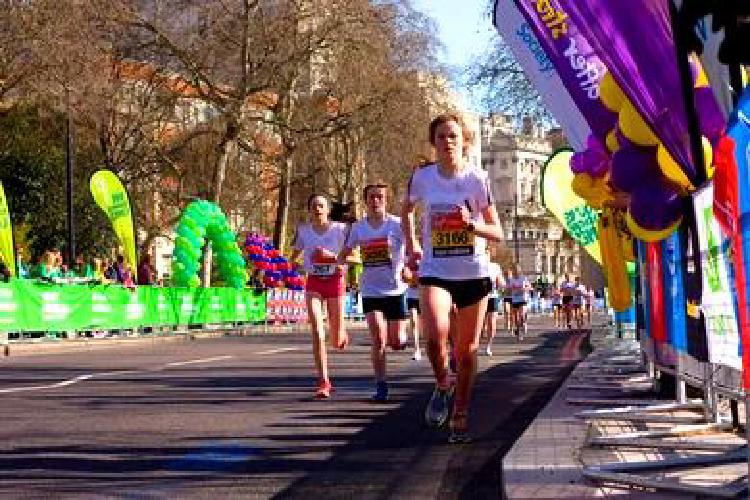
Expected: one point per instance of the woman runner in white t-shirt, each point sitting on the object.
(519, 292)
(411, 277)
(319, 242)
(567, 289)
(457, 215)
(493, 306)
(381, 242)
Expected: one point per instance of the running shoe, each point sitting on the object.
(381, 392)
(438, 408)
(459, 429)
(324, 389)
(488, 350)
(417, 355)
(342, 342)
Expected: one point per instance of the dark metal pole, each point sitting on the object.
(69, 163)
(686, 81)
(515, 226)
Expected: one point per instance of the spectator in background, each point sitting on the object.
(4, 272)
(110, 273)
(127, 277)
(119, 268)
(146, 273)
(81, 269)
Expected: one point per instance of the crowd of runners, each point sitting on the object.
(437, 277)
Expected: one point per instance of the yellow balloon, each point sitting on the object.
(560, 199)
(708, 157)
(649, 235)
(671, 169)
(610, 93)
(596, 192)
(611, 141)
(702, 79)
(634, 128)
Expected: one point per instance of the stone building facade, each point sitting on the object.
(514, 156)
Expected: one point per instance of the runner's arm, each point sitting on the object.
(488, 226)
(412, 247)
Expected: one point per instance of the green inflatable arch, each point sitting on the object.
(203, 220)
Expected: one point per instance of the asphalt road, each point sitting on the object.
(234, 417)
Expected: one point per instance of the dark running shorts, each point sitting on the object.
(393, 307)
(412, 304)
(567, 300)
(492, 304)
(464, 293)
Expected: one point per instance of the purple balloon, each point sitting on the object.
(633, 166)
(655, 205)
(594, 160)
(578, 163)
(710, 118)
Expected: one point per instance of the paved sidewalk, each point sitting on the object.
(548, 460)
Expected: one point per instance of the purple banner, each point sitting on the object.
(634, 40)
(577, 63)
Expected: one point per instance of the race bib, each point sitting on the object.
(324, 269)
(449, 236)
(376, 253)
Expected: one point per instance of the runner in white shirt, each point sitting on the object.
(412, 304)
(457, 215)
(567, 288)
(381, 241)
(319, 242)
(519, 289)
(490, 321)
(507, 301)
(590, 298)
(557, 305)
(579, 302)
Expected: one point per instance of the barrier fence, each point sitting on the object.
(27, 305)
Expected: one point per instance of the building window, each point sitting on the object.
(553, 265)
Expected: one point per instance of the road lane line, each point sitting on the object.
(281, 349)
(88, 376)
(198, 361)
(64, 383)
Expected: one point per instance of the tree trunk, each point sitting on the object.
(227, 147)
(282, 207)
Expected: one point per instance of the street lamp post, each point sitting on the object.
(515, 227)
(69, 161)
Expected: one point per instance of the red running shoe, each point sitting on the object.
(324, 389)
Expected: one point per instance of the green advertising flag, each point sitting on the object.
(7, 253)
(111, 197)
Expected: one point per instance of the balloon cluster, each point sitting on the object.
(631, 166)
(277, 270)
(203, 220)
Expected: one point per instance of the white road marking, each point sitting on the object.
(81, 378)
(197, 361)
(64, 383)
(281, 349)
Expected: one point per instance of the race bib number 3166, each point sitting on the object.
(449, 236)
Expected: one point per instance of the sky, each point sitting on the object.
(465, 30)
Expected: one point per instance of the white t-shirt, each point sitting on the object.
(307, 240)
(382, 250)
(579, 298)
(450, 251)
(495, 272)
(519, 289)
